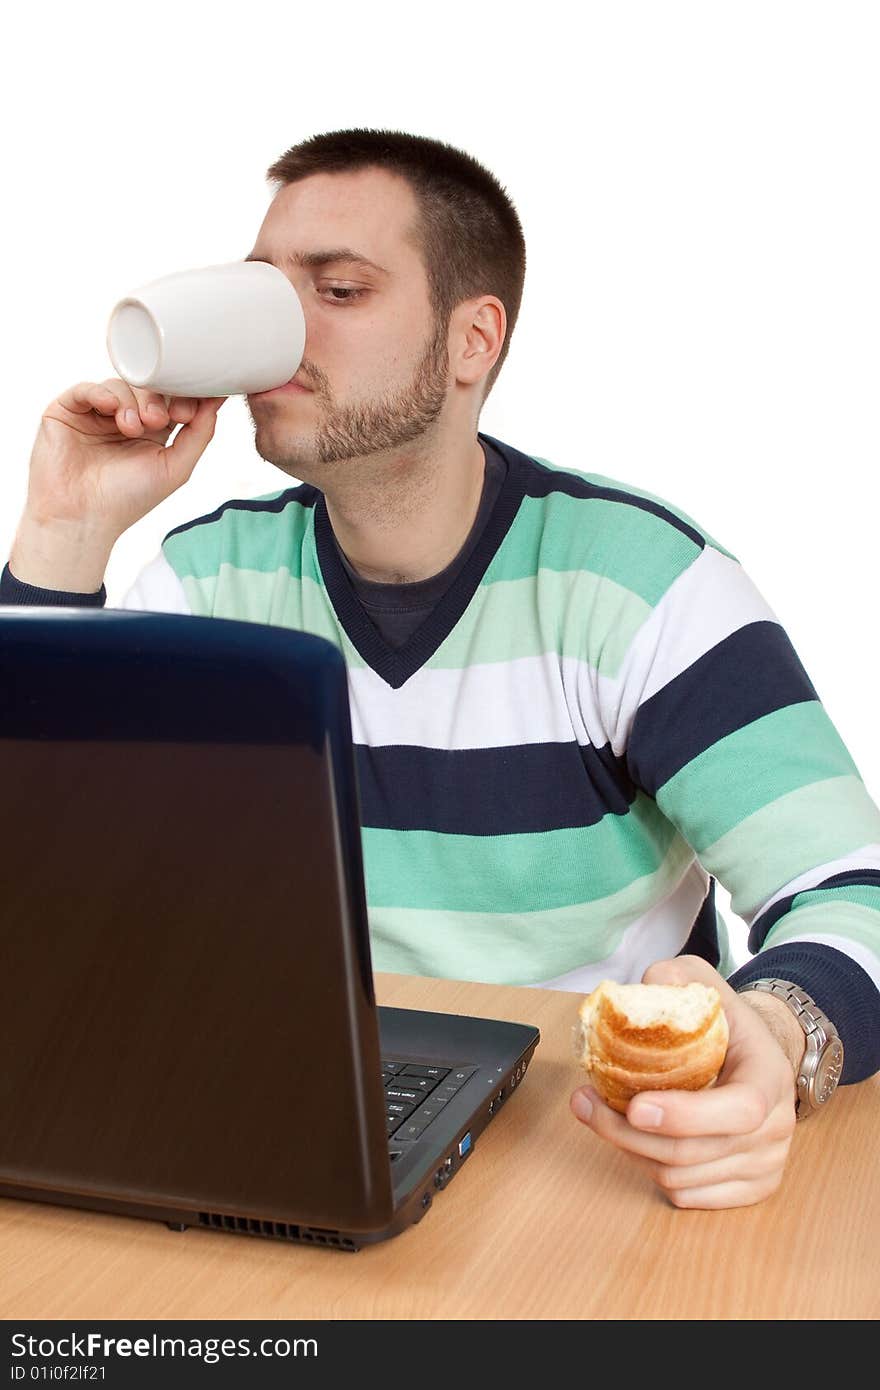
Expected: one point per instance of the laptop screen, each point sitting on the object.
(181, 883)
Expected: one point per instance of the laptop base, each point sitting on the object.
(412, 1206)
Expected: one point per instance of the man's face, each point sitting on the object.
(376, 362)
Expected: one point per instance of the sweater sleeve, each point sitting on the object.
(15, 593)
(719, 722)
(157, 589)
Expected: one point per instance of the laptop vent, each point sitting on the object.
(275, 1230)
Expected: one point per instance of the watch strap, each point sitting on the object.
(820, 1037)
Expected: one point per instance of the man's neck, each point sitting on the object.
(414, 516)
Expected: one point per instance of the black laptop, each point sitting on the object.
(188, 1027)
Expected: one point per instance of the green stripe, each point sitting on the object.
(726, 962)
(504, 622)
(425, 869)
(867, 894)
(809, 826)
(853, 921)
(518, 947)
(631, 547)
(599, 480)
(200, 595)
(250, 540)
(755, 765)
(277, 599)
(579, 615)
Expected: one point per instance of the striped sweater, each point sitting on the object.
(599, 717)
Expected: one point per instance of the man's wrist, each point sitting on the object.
(63, 555)
(781, 1022)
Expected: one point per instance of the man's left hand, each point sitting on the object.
(725, 1146)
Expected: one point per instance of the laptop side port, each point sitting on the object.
(443, 1173)
(497, 1101)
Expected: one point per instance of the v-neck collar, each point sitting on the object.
(395, 665)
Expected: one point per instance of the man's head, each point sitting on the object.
(416, 338)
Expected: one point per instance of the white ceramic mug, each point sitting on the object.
(222, 330)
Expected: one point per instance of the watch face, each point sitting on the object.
(828, 1071)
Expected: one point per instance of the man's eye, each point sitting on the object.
(347, 291)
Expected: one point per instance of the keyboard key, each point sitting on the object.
(447, 1090)
(454, 1082)
(422, 1084)
(415, 1093)
(412, 1128)
(429, 1111)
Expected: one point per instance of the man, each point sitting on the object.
(561, 687)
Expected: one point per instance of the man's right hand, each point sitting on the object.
(95, 471)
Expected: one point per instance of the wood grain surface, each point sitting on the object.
(544, 1221)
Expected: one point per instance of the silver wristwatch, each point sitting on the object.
(822, 1062)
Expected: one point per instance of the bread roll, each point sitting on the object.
(634, 1038)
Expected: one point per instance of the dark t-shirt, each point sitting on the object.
(398, 609)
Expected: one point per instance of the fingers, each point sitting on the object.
(752, 1166)
(135, 410)
(657, 1148)
(726, 1194)
(737, 1107)
(706, 1172)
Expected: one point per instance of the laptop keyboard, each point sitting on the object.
(415, 1093)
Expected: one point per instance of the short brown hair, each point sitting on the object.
(469, 234)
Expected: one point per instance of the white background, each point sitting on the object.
(698, 185)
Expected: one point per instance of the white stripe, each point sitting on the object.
(868, 857)
(713, 598)
(854, 949)
(483, 706)
(659, 934)
(157, 589)
(550, 698)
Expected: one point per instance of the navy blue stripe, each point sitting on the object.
(751, 673)
(522, 789)
(703, 940)
(541, 481)
(762, 924)
(304, 493)
(841, 988)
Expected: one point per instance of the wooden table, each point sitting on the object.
(546, 1221)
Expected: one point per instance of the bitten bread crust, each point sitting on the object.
(621, 1058)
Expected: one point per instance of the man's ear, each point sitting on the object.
(481, 326)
